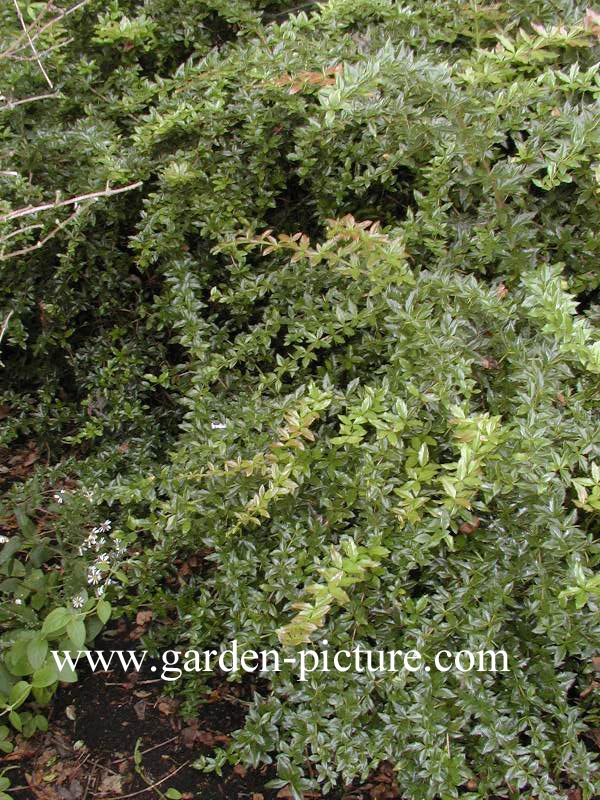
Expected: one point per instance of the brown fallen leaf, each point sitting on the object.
(594, 735)
(110, 785)
(589, 689)
(591, 22)
(470, 527)
(489, 363)
(168, 705)
(144, 617)
(30, 458)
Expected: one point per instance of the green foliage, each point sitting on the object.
(336, 340)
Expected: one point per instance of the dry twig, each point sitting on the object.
(14, 103)
(32, 45)
(41, 242)
(24, 212)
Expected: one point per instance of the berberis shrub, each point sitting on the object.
(333, 348)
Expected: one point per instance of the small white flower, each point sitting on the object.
(78, 601)
(100, 543)
(100, 591)
(94, 576)
(4, 539)
(91, 540)
(103, 558)
(218, 425)
(60, 497)
(18, 601)
(104, 527)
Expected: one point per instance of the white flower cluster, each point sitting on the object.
(95, 540)
(98, 574)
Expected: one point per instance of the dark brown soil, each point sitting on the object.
(98, 724)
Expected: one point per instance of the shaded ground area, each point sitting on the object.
(116, 736)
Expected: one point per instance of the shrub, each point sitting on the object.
(337, 342)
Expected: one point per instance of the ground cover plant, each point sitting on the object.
(305, 300)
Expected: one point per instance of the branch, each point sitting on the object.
(20, 232)
(31, 44)
(41, 242)
(20, 41)
(60, 16)
(28, 210)
(29, 33)
(5, 325)
(14, 103)
(45, 52)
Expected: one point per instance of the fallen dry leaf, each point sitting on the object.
(144, 617)
(285, 791)
(166, 708)
(591, 22)
(111, 784)
(489, 363)
(470, 527)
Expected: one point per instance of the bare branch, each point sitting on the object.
(34, 31)
(20, 232)
(5, 325)
(24, 212)
(41, 242)
(21, 40)
(45, 52)
(32, 45)
(13, 103)
(60, 16)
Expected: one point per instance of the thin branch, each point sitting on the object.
(32, 45)
(35, 34)
(152, 786)
(45, 52)
(20, 231)
(60, 16)
(5, 325)
(14, 103)
(24, 212)
(41, 242)
(21, 41)
(147, 750)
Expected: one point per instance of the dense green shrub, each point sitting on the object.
(337, 342)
